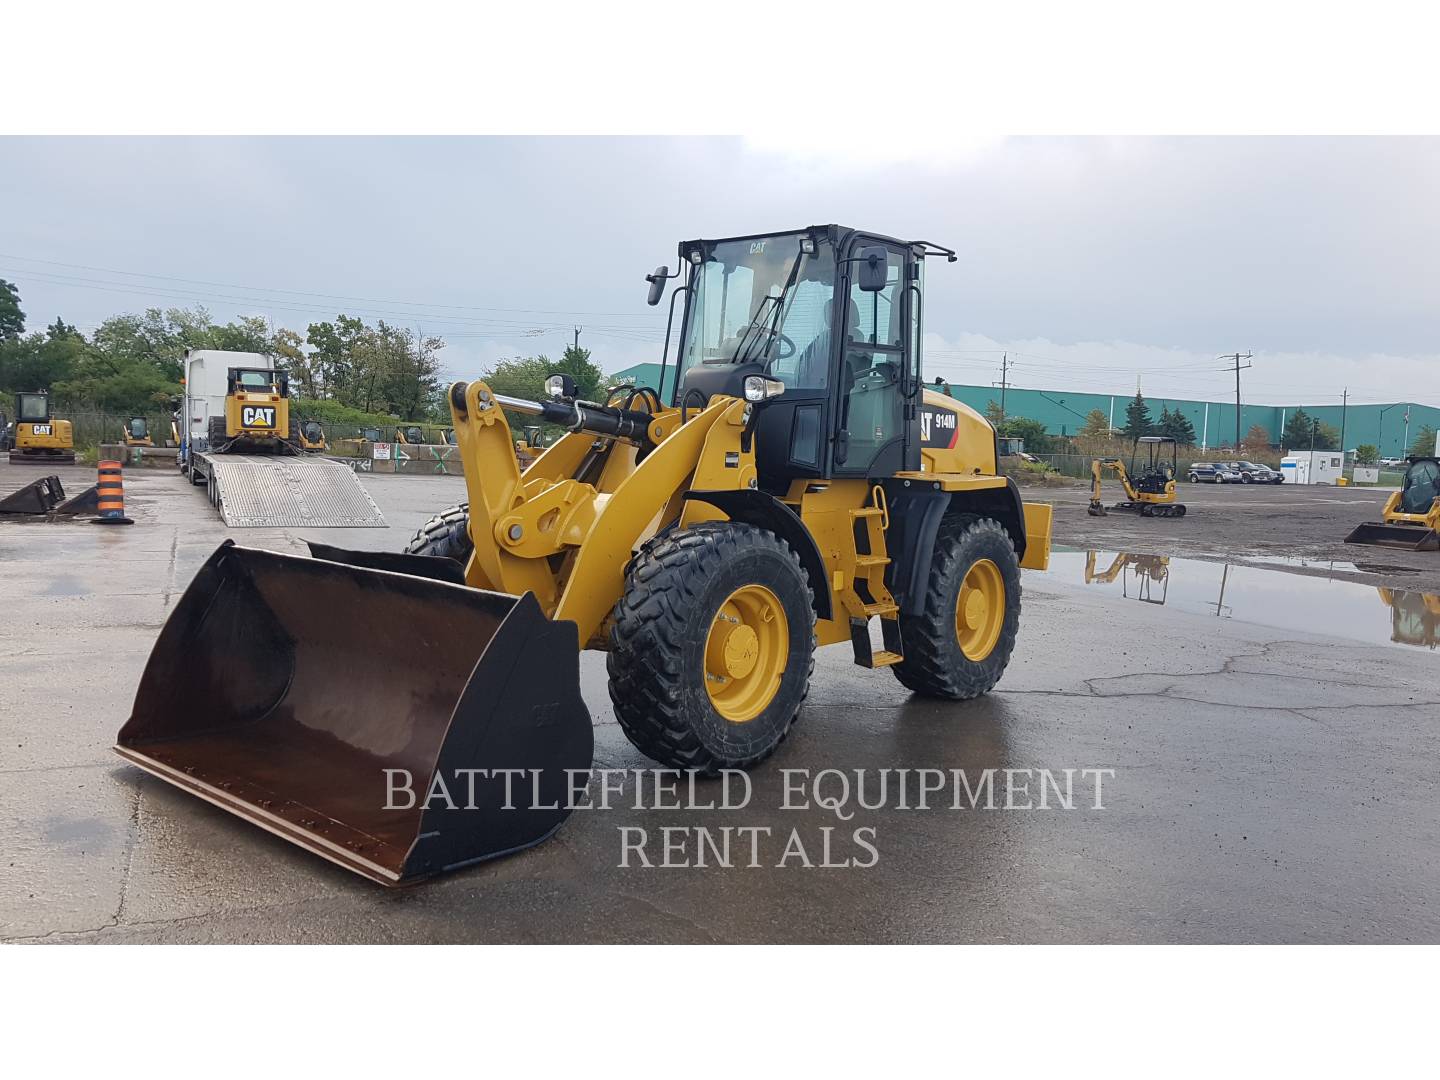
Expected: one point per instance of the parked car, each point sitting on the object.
(1251, 473)
(1214, 472)
(1392, 461)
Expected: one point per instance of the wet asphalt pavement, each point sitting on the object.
(1263, 779)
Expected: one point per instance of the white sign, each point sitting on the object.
(1366, 475)
(381, 451)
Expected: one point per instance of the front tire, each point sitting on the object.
(958, 646)
(712, 646)
(447, 535)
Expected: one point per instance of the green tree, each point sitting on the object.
(1297, 431)
(993, 414)
(1031, 431)
(1423, 445)
(1367, 454)
(332, 356)
(1137, 418)
(1097, 424)
(1177, 426)
(12, 319)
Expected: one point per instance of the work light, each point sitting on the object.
(759, 388)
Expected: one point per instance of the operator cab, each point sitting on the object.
(1158, 471)
(820, 329)
(32, 408)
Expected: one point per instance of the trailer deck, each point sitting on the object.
(274, 491)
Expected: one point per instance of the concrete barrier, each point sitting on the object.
(139, 456)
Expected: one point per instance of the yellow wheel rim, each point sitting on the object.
(980, 609)
(745, 653)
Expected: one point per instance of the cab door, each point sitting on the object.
(878, 385)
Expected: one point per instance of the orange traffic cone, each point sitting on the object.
(110, 489)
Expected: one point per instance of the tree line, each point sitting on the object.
(133, 364)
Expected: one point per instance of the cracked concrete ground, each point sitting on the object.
(1268, 785)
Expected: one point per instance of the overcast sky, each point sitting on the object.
(1092, 261)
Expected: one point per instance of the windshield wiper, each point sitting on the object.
(746, 341)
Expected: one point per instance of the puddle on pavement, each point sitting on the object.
(1253, 594)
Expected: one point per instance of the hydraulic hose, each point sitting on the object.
(574, 415)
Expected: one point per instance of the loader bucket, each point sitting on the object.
(324, 702)
(37, 497)
(1386, 534)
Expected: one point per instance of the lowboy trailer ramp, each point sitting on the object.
(277, 491)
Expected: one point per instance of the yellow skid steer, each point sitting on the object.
(1411, 518)
(800, 487)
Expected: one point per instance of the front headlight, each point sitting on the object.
(759, 388)
(560, 386)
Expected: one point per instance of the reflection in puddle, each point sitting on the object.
(1256, 595)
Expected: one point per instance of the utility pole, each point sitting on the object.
(1004, 379)
(1344, 403)
(1237, 357)
(577, 336)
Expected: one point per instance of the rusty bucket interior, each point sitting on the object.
(314, 698)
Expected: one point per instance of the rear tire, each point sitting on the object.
(936, 664)
(447, 535)
(679, 593)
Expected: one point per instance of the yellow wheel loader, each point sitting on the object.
(137, 432)
(1412, 515)
(800, 489)
(1149, 493)
(38, 438)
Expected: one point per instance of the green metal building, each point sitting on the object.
(1063, 412)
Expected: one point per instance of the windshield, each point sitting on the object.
(763, 300)
(137, 428)
(256, 380)
(33, 407)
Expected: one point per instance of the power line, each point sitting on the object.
(324, 296)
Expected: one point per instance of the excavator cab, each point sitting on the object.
(1158, 472)
(800, 487)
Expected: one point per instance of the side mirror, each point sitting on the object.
(874, 269)
(657, 284)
